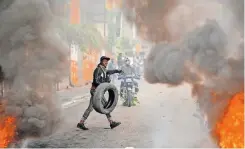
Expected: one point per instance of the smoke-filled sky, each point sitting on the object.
(196, 41)
(32, 57)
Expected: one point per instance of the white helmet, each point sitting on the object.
(127, 61)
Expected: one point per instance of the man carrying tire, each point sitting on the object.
(100, 75)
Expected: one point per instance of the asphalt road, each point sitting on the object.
(166, 117)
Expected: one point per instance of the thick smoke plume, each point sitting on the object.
(169, 20)
(32, 58)
(150, 17)
(205, 48)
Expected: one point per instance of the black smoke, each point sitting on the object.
(32, 58)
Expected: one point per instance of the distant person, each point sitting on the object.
(112, 65)
(120, 60)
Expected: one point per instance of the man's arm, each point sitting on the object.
(113, 71)
(97, 77)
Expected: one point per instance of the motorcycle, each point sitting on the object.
(128, 89)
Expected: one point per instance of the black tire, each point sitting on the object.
(98, 100)
(129, 98)
(123, 94)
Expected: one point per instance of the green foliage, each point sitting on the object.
(86, 35)
(124, 43)
(133, 103)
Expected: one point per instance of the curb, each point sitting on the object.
(75, 100)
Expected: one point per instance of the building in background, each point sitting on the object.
(75, 61)
(86, 12)
(109, 20)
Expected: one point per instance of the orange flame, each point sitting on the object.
(7, 130)
(229, 130)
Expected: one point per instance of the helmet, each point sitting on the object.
(127, 61)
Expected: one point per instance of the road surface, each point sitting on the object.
(166, 117)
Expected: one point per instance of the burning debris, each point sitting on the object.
(230, 134)
(32, 58)
(150, 18)
(7, 130)
(207, 52)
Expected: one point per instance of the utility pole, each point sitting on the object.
(121, 24)
(104, 18)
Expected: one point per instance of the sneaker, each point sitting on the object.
(114, 124)
(82, 126)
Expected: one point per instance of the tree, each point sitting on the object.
(125, 44)
(86, 35)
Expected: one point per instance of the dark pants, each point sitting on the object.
(90, 107)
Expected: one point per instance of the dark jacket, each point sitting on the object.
(102, 75)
